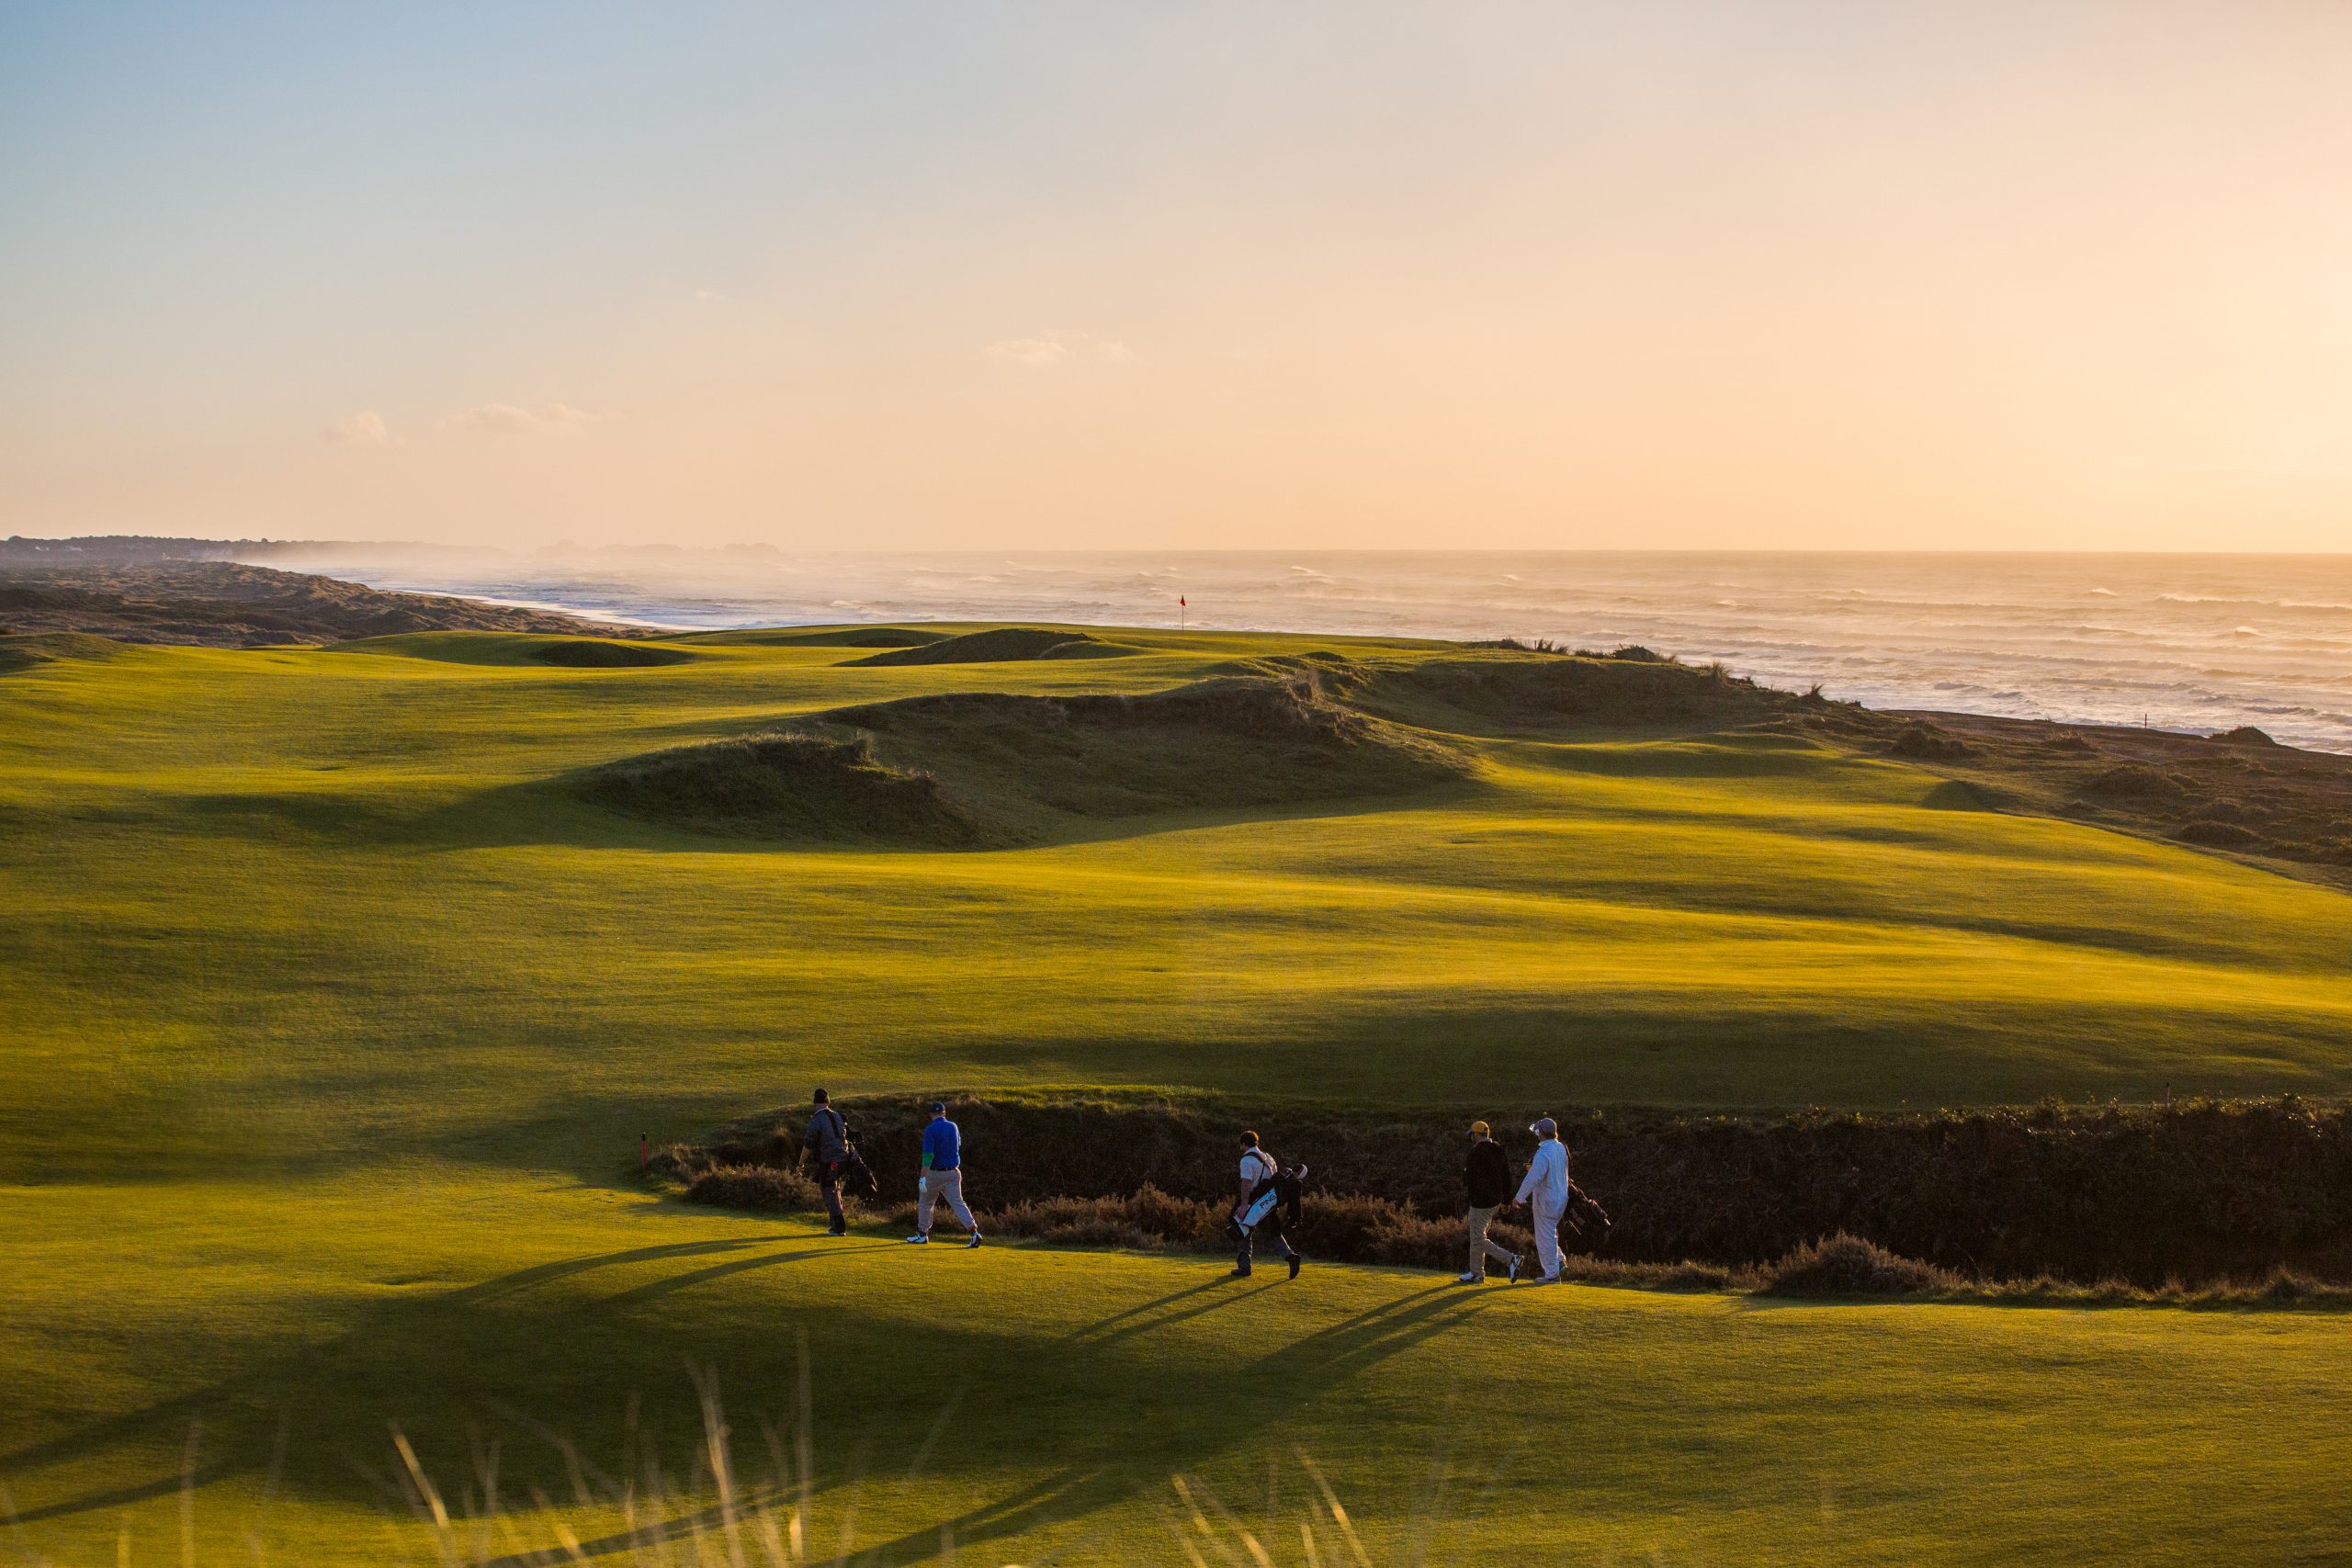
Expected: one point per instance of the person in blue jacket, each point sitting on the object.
(942, 1177)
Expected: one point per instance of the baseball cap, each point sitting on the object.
(939, 1108)
(1546, 1127)
(1478, 1128)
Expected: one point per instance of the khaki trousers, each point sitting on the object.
(1480, 1247)
(946, 1184)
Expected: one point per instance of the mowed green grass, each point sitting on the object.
(319, 905)
(328, 1030)
(1066, 1389)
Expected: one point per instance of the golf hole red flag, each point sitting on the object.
(1180, 602)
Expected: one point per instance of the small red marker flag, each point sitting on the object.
(1180, 601)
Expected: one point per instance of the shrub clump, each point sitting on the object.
(1927, 743)
(2247, 735)
(2214, 833)
(1475, 692)
(755, 1187)
(2131, 781)
(1149, 1220)
(1844, 1265)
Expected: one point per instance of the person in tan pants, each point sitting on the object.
(1487, 1178)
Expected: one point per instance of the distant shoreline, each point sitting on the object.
(545, 606)
(2197, 644)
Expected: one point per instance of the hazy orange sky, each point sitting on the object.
(1865, 273)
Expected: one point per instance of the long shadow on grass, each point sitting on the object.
(1319, 1360)
(464, 1362)
(1262, 1393)
(1142, 1319)
(390, 1350)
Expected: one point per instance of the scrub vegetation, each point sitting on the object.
(226, 605)
(339, 986)
(2208, 1195)
(2239, 790)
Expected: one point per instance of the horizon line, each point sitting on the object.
(765, 547)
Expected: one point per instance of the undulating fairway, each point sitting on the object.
(334, 1006)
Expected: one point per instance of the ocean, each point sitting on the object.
(2181, 642)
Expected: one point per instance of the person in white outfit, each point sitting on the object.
(1546, 1192)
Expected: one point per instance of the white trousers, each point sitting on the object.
(1547, 1240)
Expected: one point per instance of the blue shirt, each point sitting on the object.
(943, 1144)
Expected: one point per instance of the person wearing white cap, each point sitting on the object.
(1546, 1192)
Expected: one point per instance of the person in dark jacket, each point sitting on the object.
(826, 1145)
(1487, 1178)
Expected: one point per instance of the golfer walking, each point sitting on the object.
(1546, 1190)
(942, 1177)
(1486, 1179)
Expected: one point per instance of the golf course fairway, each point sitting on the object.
(1575, 1424)
(336, 992)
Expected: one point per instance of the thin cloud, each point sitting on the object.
(513, 418)
(366, 428)
(710, 295)
(1054, 349)
(1037, 353)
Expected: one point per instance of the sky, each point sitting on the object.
(1703, 274)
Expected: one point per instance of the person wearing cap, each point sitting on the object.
(1487, 1180)
(1259, 1206)
(1545, 1190)
(826, 1143)
(942, 1177)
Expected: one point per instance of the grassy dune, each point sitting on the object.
(332, 1009)
(328, 904)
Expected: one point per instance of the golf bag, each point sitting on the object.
(1278, 1196)
(854, 1177)
(1585, 1216)
(857, 1177)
